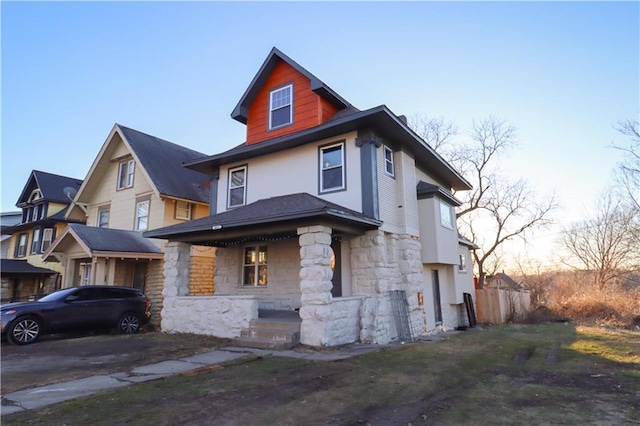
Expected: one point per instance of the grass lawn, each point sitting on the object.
(514, 374)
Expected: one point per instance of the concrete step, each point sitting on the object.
(273, 334)
(249, 342)
(275, 324)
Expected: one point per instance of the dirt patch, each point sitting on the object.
(67, 357)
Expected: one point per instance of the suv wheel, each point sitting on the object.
(24, 331)
(129, 324)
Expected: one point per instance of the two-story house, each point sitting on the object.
(343, 218)
(44, 201)
(136, 183)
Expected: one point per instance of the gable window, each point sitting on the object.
(35, 242)
(126, 170)
(142, 215)
(21, 246)
(462, 266)
(332, 168)
(34, 213)
(445, 215)
(183, 210)
(47, 237)
(281, 107)
(255, 266)
(237, 186)
(389, 165)
(103, 218)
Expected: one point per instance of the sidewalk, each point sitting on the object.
(52, 394)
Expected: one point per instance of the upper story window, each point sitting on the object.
(237, 191)
(446, 218)
(462, 266)
(142, 215)
(103, 218)
(35, 213)
(389, 164)
(35, 241)
(332, 176)
(47, 237)
(21, 246)
(126, 170)
(183, 210)
(281, 107)
(255, 266)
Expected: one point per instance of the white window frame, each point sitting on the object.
(231, 186)
(139, 224)
(47, 238)
(34, 213)
(126, 173)
(101, 212)
(462, 266)
(327, 166)
(85, 273)
(389, 162)
(183, 210)
(35, 241)
(256, 264)
(272, 109)
(22, 242)
(446, 217)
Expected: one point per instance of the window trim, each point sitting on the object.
(391, 161)
(136, 223)
(189, 207)
(35, 241)
(244, 186)
(256, 265)
(321, 149)
(100, 212)
(447, 224)
(290, 105)
(129, 174)
(46, 240)
(18, 252)
(462, 265)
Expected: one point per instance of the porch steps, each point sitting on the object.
(270, 333)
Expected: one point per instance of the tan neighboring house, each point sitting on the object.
(338, 219)
(44, 201)
(135, 184)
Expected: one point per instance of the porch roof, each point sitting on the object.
(22, 267)
(267, 219)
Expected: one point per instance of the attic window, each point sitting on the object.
(126, 172)
(281, 107)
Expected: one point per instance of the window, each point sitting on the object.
(255, 266)
(281, 107)
(35, 242)
(47, 237)
(445, 215)
(142, 215)
(237, 186)
(437, 304)
(332, 168)
(183, 210)
(103, 218)
(389, 166)
(21, 247)
(462, 266)
(34, 213)
(85, 276)
(125, 174)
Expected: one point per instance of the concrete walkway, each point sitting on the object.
(52, 394)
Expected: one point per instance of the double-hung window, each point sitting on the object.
(255, 266)
(183, 210)
(35, 242)
(389, 165)
(21, 246)
(445, 215)
(281, 107)
(47, 237)
(142, 215)
(103, 218)
(332, 177)
(126, 172)
(237, 186)
(462, 266)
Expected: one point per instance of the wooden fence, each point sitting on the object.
(498, 306)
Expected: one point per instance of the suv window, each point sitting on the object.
(88, 293)
(118, 293)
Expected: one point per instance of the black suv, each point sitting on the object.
(87, 307)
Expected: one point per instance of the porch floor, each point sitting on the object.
(272, 315)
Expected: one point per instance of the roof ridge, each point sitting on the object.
(121, 126)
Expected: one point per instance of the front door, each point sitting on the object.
(336, 267)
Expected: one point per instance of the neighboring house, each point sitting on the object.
(504, 282)
(7, 219)
(343, 216)
(43, 202)
(135, 184)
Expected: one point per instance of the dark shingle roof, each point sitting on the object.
(428, 190)
(11, 266)
(263, 212)
(115, 240)
(162, 160)
(51, 186)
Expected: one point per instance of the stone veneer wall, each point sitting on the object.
(344, 326)
(153, 289)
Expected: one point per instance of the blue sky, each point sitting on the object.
(562, 73)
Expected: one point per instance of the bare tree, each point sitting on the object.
(628, 173)
(437, 132)
(497, 209)
(605, 244)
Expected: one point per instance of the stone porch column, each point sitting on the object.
(315, 284)
(176, 276)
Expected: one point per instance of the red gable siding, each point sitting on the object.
(309, 109)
